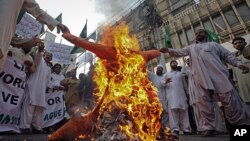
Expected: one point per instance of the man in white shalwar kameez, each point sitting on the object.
(191, 95)
(35, 90)
(176, 88)
(156, 79)
(9, 10)
(193, 99)
(242, 80)
(211, 79)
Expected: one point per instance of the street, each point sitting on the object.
(43, 137)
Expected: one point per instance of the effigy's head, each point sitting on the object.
(120, 38)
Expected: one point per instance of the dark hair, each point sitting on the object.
(173, 61)
(50, 64)
(238, 38)
(56, 65)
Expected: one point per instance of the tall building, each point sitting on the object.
(227, 18)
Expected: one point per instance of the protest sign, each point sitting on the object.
(61, 52)
(28, 27)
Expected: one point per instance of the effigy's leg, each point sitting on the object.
(79, 125)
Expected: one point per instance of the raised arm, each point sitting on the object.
(32, 7)
(150, 54)
(101, 51)
(176, 52)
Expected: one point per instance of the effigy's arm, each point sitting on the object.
(101, 51)
(150, 54)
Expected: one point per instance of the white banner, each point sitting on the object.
(12, 84)
(61, 52)
(28, 27)
(55, 110)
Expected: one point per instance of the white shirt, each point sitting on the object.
(176, 95)
(56, 79)
(207, 65)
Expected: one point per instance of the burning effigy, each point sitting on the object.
(123, 88)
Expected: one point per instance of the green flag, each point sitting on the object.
(42, 30)
(167, 39)
(212, 36)
(59, 19)
(83, 34)
(21, 13)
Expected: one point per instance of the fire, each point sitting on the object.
(128, 85)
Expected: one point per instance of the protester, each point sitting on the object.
(55, 101)
(56, 77)
(82, 87)
(176, 89)
(21, 50)
(90, 86)
(192, 106)
(156, 79)
(194, 115)
(209, 73)
(72, 97)
(34, 102)
(9, 10)
(242, 81)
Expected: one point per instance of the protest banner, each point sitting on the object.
(55, 110)
(12, 84)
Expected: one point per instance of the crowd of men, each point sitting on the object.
(205, 97)
(30, 83)
(43, 79)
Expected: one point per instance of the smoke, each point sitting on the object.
(110, 8)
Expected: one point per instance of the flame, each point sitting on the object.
(128, 85)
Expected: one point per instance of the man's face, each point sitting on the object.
(47, 57)
(57, 69)
(159, 70)
(173, 65)
(201, 35)
(239, 44)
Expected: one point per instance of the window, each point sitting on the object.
(182, 39)
(176, 4)
(244, 11)
(231, 17)
(197, 27)
(219, 23)
(190, 35)
(207, 25)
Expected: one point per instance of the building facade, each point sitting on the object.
(227, 18)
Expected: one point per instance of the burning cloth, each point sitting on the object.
(122, 82)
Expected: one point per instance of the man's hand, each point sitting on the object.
(168, 80)
(27, 63)
(164, 50)
(63, 28)
(40, 47)
(244, 68)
